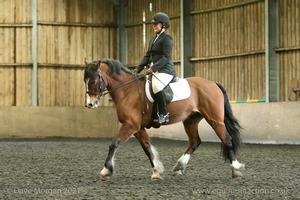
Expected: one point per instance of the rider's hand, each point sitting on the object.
(149, 71)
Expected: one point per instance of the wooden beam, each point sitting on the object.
(281, 49)
(227, 56)
(224, 7)
(76, 24)
(15, 25)
(15, 64)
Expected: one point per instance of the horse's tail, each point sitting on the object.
(232, 126)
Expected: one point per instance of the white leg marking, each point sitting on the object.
(236, 165)
(184, 159)
(181, 164)
(158, 166)
(105, 173)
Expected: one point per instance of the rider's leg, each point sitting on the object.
(159, 82)
(163, 115)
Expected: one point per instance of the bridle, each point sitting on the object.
(102, 86)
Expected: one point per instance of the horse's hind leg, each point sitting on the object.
(191, 128)
(152, 154)
(227, 147)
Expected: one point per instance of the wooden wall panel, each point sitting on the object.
(135, 10)
(228, 38)
(15, 50)
(73, 44)
(229, 45)
(227, 34)
(68, 31)
(23, 73)
(289, 50)
(241, 83)
(7, 73)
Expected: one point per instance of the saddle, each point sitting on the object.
(178, 89)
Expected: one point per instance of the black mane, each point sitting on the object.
(115, 66)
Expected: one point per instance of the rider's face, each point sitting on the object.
(157, 27)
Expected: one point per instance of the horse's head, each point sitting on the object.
(94, 84)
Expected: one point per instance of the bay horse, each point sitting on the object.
(207, 100)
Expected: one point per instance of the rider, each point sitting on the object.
(158, 61)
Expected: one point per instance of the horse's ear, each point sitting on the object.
(86, 61)
(97, 65)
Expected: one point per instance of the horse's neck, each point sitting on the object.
(123, 86)
(117, 81)
(117, 84)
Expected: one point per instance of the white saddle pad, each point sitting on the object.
(181, 90)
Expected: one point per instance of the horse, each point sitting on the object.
(207, 100)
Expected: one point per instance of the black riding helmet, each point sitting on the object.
(162, 18)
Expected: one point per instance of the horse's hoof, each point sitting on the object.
(236, 174)
(156, 178)
(104, 178)
(105, 174)
(156, 175)
(177, 172)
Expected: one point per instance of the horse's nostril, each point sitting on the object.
(88, 105)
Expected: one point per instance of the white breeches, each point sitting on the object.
(160, 81)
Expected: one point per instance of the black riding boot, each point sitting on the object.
(163, 115)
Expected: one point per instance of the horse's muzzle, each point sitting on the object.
(93, 104)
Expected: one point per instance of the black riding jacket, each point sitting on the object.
(160, 53)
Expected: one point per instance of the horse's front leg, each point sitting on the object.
(157, 166)
(126, 130)
(108, 168)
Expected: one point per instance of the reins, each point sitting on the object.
(137, 77)
(106, 91)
